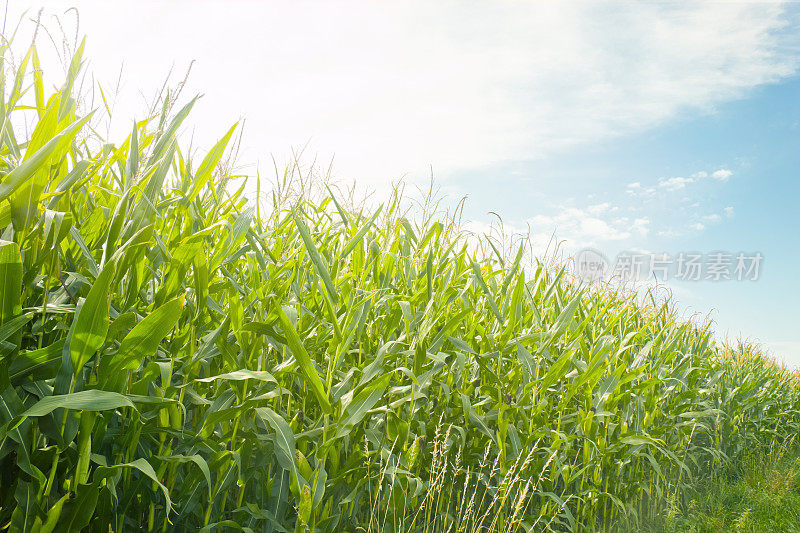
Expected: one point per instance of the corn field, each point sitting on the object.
(174, 357)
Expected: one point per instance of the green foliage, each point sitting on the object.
(761, 493)
(173, 360)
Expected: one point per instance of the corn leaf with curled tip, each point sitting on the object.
(284, 440)
(142, 466)
(196, 459)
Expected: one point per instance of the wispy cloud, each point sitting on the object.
(668, 215)
(677, 183)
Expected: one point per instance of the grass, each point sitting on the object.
(761, 494)
(174, 357)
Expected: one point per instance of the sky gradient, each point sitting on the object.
(622, 127)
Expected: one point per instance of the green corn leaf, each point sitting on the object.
(557, 370)
(143, 339)
(203, 174)
(132, 166)
(284, 441)
(239, 375)
(10, 282)
(361, 403)
(38, 84)
(316, 258)
(196, 459)
(142, 466)
(5, 215)
(306, 366)
(34, 163)
(489, 298)
(360, 235)
(342, 212)
(79, 510)
(166, 139)
(91, 323)
(87, 400)
(41, 363)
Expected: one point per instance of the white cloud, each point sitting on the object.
(635, 189)
(392, 88)
(722, 174)
(641, 226)
(678, 228)
(599, 209)
(677, 183)
(674, 184)
(669, 233)
(604, 222)
(582, 227)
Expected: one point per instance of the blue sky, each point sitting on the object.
(755, 138)
(656, 127)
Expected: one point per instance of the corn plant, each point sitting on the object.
(175, 357)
